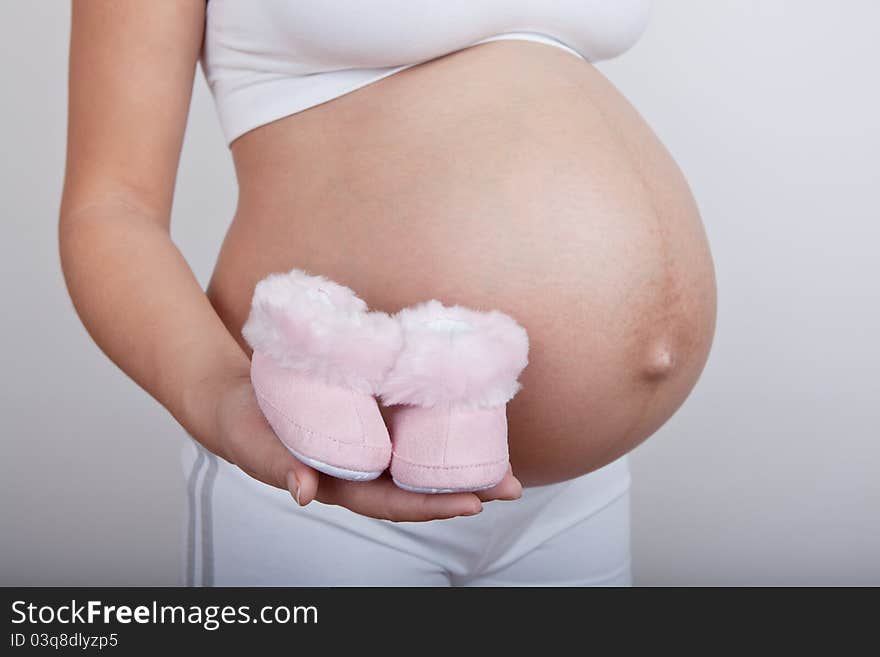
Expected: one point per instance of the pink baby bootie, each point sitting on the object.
(450, 384)
(318, 359)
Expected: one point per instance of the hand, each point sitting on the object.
(246, 439)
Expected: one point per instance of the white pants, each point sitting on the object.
(241, 532)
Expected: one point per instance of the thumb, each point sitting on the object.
(302, 482)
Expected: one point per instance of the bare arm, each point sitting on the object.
(132, 66)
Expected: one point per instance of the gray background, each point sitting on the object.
(769, 474)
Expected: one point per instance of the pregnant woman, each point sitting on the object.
(464, 151)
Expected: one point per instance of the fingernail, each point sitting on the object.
(293, 486)
(475, 511)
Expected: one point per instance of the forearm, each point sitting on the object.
(141, 304)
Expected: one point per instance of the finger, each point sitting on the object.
(251, 444)
(507, 489)
(302, 482)
(262, 456)
(380, 498)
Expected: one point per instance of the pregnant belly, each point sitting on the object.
(510, 175)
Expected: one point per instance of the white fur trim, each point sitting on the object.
(317, 327)
(457, 356)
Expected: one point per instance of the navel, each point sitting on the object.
(660, 362)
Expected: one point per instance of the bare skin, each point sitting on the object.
(509, 175)
(132, 66)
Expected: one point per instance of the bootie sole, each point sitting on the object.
(334, 471)
(434, 491)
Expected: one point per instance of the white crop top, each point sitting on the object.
(266, 59)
